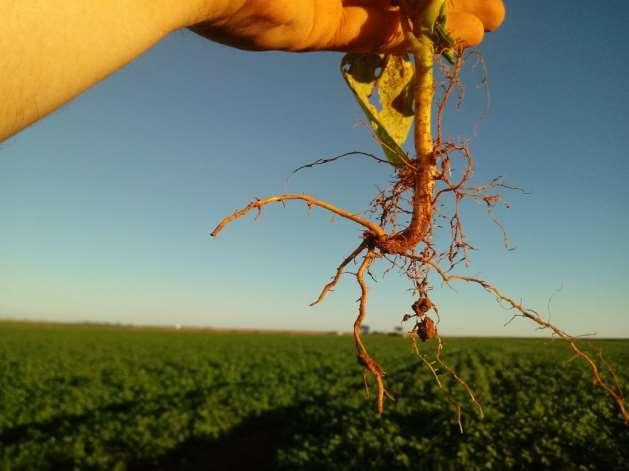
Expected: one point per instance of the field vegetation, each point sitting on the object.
(93, 397)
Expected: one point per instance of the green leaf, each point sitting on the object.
(394, 85)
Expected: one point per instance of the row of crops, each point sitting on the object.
(91, 397)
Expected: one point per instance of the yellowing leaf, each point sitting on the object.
(394, 119)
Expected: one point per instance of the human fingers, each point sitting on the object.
(371, 25)
(491, 13)
(466, 29)
(365, 27)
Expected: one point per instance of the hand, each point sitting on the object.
(339, 25)
(52, 51)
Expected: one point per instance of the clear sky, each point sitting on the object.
(107, 203)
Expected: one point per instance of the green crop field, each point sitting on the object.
(89, 397)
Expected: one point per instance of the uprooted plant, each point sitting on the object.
(407, 213)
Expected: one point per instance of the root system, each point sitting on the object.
(407, 213)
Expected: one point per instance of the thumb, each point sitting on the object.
(367, 29)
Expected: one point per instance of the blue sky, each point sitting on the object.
(107, 203)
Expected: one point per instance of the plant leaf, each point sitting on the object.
(394, 119)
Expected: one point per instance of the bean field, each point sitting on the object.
(95, 397)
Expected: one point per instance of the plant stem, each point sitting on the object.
(424, 165)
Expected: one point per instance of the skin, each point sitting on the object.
(50, 52)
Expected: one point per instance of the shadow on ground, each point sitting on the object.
(252, 445)
(319, 433)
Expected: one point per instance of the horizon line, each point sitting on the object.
(192, 328)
